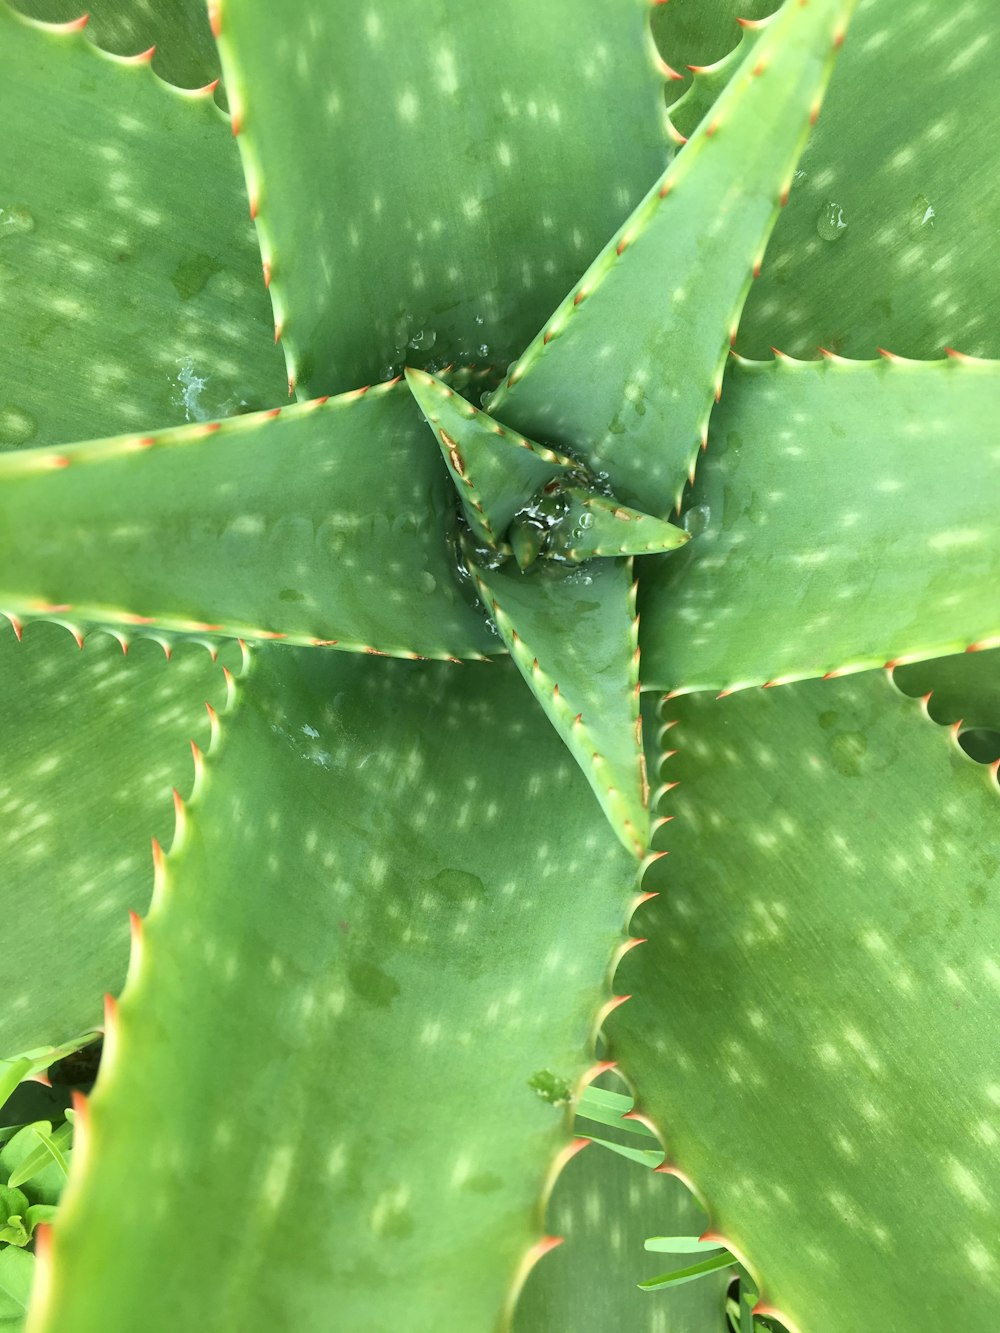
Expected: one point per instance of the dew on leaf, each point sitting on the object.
(696, 520)
(423, 340)
(830, 222)
(550, 1087)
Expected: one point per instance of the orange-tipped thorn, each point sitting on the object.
(41, 1077)
(215, 18)
(644, 898)
(17, 626)
(81, 1105)
(267, 272)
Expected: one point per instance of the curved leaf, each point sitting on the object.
(130, 284)
(480, 215)
(890, 231)
(656, 311)
(93, 744)
(327, 523)
(294, 1020)
(846, 518)
(812, 1018)
(964, 688)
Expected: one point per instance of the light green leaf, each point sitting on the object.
(496, 471)
(402, 946)
(325, 523)
(596, 525)
(826, 542)
(709, 80)
(691, 1274)
(679, 1244)
(574, 638)
(656, 311)
(813, 1016)
(93, 744)
(890, 231)
(476, 221)
(50, 1151)
(131, 286)
(185, 53)
(17, 1269)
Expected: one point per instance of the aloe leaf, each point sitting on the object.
(101, 738)
(604, 1207)
(17, 1270)
(573, 636)
(812, 1020)
(474, 225)
(178, 29)
(885, 238)
(687, 113)
(112, 276)
(596, 525)
(826, 543)
(657, 309)
(963, 688)
(324, 522)
(688, 33)
(495, 470)
(402, 947)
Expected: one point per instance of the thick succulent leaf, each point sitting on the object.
(495, 470)
(605, 1207)
(656, 311)
(327, 522)
(573, 635)
(813, 1016)
(596, 525)
(966, 688)
(691, 32)
(708, 82)
(846, 517)
(130, 284)
(185, 52)
(93, 743)
(475, 223)
(888, 237)
(347, 950)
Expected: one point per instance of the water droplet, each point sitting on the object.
(15, 221)
(17, 427)
(586, 519)
(423, 340)
(191, 387)
(830, 222)
(484, 349)
(479, 319)
(696, 520)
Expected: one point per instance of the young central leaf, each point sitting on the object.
(574, 637)
(496, 471)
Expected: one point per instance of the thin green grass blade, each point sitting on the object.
(604, 1207)
(813, 1016)
(476, 222)
(402, 947)
(573, 636)
(656, 311)
(690, 1274)
(322, 523)
(679, 1244)
(185, 53)
(825, 542)
(130, 284)
(495, 471)
(93, 744)
(889, 236)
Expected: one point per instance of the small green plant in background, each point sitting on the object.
(561, 643)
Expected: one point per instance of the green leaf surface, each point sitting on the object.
(287, 1012)
(489, 125)
(966, 687)
(495, 471)
(130, 284)
(691, 1273)
(890, 231)
(708, 82)
(596, 525)
(655, 313)
(845, 517)
(604, 1207)
(93, 743)
(812, 1019)
(573, 636)
(185, 52)
(17, 1270)
(325, 522)
(691, 32)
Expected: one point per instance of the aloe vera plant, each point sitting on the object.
(482, 619)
